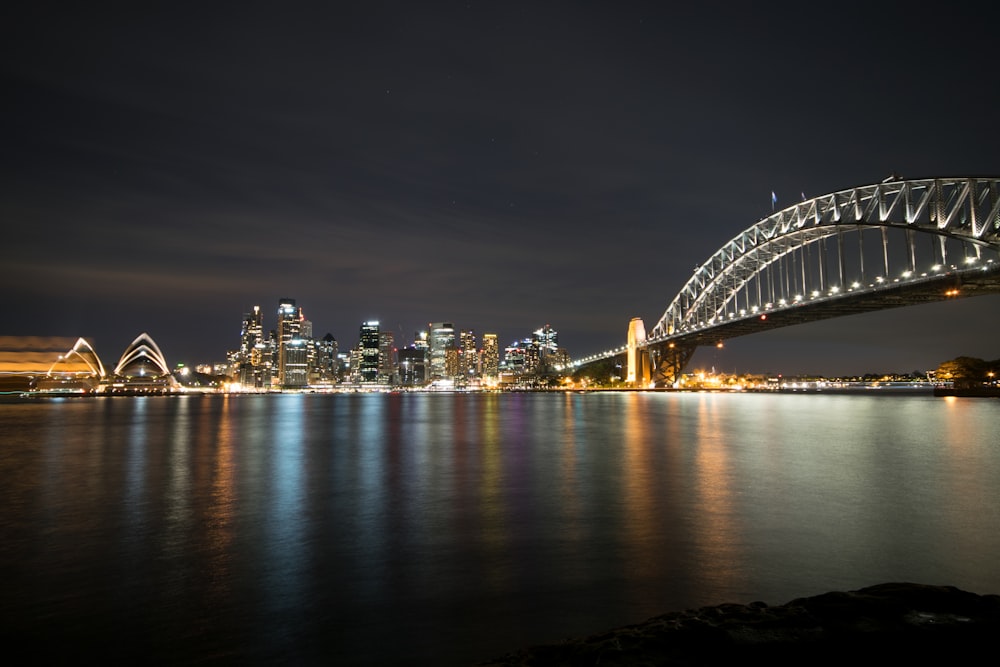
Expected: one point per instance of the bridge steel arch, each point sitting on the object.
(894, 243)
(767, 266)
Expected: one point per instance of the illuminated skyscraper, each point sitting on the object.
(550, 356)
(386, 357)
(289, 320)
(491, 356)
(251, 336)
(292, 353)
(369, 345)
(442, 337)
(468, 361)
(295, 355)
(327, 364)
(547, 339)
(412, 366)
(252, 331)
(451, 361)
(513, 358)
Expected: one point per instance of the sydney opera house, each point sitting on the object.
(141, 369)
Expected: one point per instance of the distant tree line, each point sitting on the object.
(969, 372)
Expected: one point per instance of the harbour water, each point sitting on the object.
(445, 529)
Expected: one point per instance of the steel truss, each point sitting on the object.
(842, 245)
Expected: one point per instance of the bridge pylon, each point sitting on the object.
(638, 373)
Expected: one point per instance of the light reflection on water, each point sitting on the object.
(451, 528)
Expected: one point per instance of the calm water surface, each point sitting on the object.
(447, 529)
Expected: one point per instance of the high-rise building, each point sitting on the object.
(289, 320)
(440, 338)
(295, 362)
(451, 362)
(551, 356)
(412, 366)
(293, 355)
(532, 356)
(252, 331)
(546, 339)
(468, 361)
(327, 365)
(491, 356)
(369, 344)
(420, 341)
(354, 363)
(386, 357)
(522, 357)
(251, 336)
(513, 358)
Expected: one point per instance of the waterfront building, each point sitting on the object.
(306, 334)
(262, 362)
(354, 364)
(251, 335)
(546, 339)
(369, 349)
(522, 357)
(386, 357)
(451, 362)
(491, 356)
(326, 368)
(293, 357)
(142, 368)
(468, 361)
(441, 337)
(550, 356)
(513, 358)
(532, 356)
(412, 366)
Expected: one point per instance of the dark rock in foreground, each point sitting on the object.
(888, 622)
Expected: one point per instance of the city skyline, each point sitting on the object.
(499, 165)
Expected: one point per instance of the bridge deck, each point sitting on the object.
(966, 284)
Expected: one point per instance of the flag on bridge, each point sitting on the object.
(774, 199)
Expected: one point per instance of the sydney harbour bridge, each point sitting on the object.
(890, 244)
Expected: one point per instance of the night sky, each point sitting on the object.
(498, 165)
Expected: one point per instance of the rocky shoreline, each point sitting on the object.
(892, 621)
